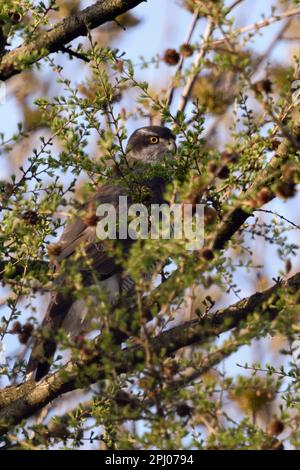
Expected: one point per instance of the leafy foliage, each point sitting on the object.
(238, 152)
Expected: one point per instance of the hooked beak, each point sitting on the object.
(172, 147)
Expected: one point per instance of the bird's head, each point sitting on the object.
(150, 146)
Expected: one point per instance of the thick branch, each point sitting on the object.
(65, 31)
(242, 210)
(20, 402)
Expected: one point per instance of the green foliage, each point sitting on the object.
(189, 400)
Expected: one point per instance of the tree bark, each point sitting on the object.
(22, 401)
(70, 28)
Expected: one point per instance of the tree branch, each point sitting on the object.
(22, 401)
(65, 31)
(242, 210)
(261, 24)
(193, 77)
(171, 90)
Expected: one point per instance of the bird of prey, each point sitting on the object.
(147, 147)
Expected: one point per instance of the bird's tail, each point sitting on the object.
(45, 343)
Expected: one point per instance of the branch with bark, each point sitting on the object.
(238, 215)
(76, 25)
(22, 401)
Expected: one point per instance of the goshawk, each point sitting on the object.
(147, 148)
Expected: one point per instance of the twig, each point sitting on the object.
(75, 54)
(232, 6)
(62, 33)
(279, 216)
(191, 81)
(21, 401)
(214, 125)
(271, 46)
(170, 93)
(259, 25)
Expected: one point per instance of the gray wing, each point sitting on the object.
(75, 234)
(79, 232)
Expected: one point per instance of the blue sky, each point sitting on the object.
(164, 24)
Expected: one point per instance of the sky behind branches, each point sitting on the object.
(159, 29)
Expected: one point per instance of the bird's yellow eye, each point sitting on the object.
(154, 140)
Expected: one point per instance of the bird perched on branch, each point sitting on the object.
(146, 148)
